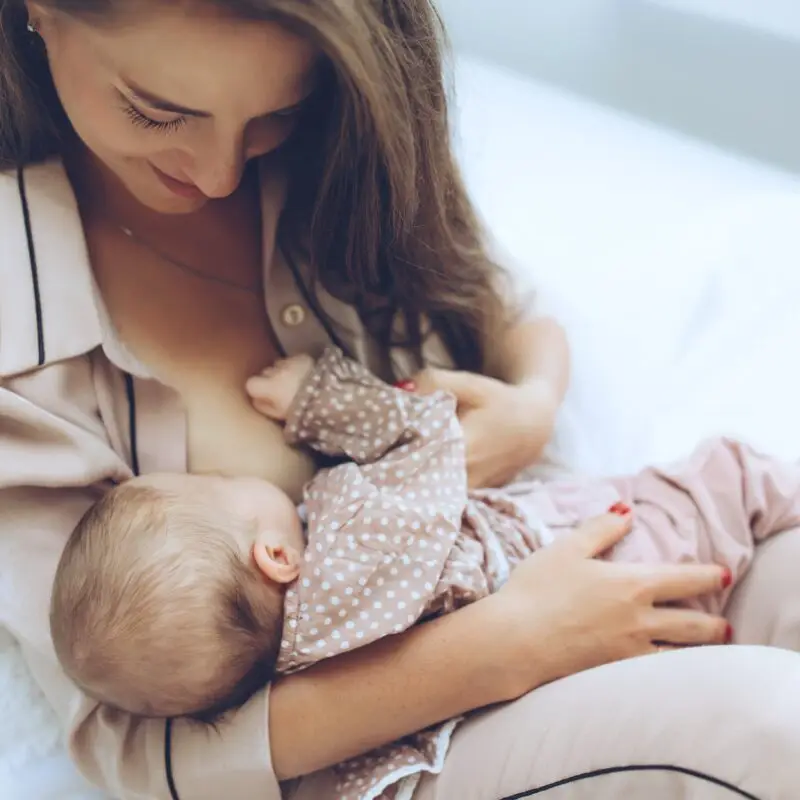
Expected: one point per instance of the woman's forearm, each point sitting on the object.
(535, 352)
(353, 703)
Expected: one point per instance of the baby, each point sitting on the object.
(183, 595)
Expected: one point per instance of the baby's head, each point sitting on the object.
(168, 599)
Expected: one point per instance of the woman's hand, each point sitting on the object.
(564, 611)
(506, 426)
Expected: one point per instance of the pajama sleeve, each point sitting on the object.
(342, 410)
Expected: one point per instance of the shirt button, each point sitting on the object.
(293, 315)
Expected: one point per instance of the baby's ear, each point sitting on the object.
(279, 563)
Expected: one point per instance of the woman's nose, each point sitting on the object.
(218, 170)
(220, 180)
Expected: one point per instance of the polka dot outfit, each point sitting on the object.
(380, 526)
(393, 538)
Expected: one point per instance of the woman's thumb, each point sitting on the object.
(598, 534)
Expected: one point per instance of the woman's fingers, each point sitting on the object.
(680, 626)
(665, 648)
(470, 389)
(670, 582)
(596, 535)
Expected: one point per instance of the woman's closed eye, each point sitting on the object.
(142, 120)
(176, 121)
(290, 111)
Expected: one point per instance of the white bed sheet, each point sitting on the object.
(651, 248)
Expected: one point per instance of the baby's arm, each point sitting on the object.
(337, 407)
(379, 534)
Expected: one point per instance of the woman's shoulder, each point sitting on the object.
(47, 306)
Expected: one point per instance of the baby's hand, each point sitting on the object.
(274, 390)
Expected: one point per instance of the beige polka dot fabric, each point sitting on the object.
(393, 538)
(381, 526)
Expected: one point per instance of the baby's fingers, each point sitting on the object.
(594, 536)
(260, 385)
(262, 395)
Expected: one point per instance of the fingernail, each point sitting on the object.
(727, 578)
(406, 385)
(729, 634)
(620, 508)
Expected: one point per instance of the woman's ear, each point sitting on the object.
(278, 563)
(36, 14)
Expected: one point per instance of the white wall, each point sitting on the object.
(703, 67)
(781, 17)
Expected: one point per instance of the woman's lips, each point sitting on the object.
(188, 190)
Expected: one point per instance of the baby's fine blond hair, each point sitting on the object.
(158, 609)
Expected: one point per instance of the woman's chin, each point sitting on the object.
(172, 205)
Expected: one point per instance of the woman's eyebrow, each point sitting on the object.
(160, 103)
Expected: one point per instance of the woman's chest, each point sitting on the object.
(203, 339)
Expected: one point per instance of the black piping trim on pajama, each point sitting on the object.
(37, 297)
(132, 432)
(130, 391)
(131, 394)
(173, 789)
(701, 776)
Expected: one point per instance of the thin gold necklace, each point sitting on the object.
(188, 268)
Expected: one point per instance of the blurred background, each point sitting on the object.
(723, 70)
(610, 124)
(637, 160)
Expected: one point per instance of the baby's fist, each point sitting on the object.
(273, 391)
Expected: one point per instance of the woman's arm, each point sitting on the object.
(508, 419)
(356, 702)
(562, 611)
(534, 354)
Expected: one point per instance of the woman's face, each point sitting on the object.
(174, 104)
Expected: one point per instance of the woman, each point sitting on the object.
(169, 168)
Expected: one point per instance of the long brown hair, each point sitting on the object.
(376, 205)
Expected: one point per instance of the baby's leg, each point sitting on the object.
(712, 508)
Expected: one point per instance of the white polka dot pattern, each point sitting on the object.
(380, 530)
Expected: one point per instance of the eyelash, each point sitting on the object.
(137, 118)
(143, 121)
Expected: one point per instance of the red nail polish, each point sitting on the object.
(406, 385)
(727, 578)
(729, 634)
(620, 508)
